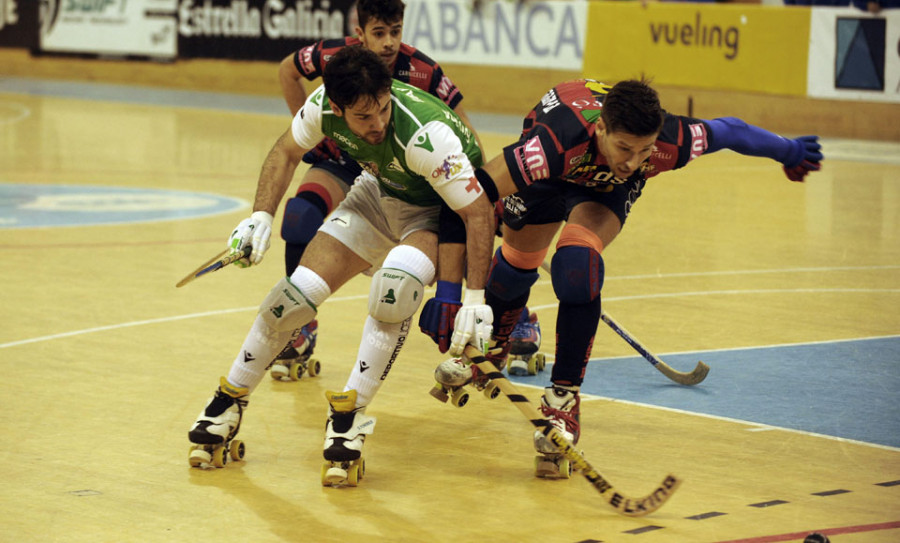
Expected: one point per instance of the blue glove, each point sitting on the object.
(439, 313)
(805, 158)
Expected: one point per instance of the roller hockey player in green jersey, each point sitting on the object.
(416, 153)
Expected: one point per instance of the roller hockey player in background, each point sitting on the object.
(584, 156)
(332, 171)
(416, 153)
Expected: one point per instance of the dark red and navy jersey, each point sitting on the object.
(412, 67)
(558, 140)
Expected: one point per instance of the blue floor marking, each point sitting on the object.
(29, 206)
(846, 389)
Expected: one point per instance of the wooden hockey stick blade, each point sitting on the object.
(697, 375)
(632, 507)
(215, 263)
(682, 378)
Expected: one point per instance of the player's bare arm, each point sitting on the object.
(291, 82)
(499, 173)
(479, 219)
(277, 173)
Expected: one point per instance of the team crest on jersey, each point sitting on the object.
(395, 166)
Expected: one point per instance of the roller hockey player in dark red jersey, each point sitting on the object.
(331, 171)
(584, 156)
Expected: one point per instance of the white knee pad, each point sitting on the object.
(286, 308)
(398, 287)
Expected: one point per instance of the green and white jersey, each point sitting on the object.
(428, 154)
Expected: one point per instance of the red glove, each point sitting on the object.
(807, 158)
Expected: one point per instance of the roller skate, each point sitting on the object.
(452, 376)
(214, 432)
(524, 343)
(562, 406)
(297, 358)
(345, 433)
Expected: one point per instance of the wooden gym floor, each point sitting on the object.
(789, 291)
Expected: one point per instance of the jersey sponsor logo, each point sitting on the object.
(445, 87)
(424, 142)
(583, 103)
(550, 100)
(698, 140)
(514, 205)
(306, 59)
(449, 168)
(344, 139)
(412, 74)
(532, 159)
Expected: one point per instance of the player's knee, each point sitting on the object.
(286, 308)
(577, 273)
(508, 282)
(302, 218)
(398, 287)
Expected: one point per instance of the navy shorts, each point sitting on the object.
(547, 202)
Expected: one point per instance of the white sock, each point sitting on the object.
(262, 344)
(380, 345)
(381, 342)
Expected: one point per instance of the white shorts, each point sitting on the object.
(370, 224)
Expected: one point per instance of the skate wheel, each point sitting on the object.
(314, 367)
(279, 372)
(541, 359)
(354, 474)
(439, 393)
(459, 397)
(296, 372)
(565, 468)
(199, 456)
(333, 474)
(491, 391)
(219, 459)
(237, 450)
(532, 365)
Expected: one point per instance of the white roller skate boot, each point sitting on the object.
(345, 432)
(216, 427)
(524, 343)
(453, 374)
(297, 358)
(562, 406)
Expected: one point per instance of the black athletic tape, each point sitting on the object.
(517, 398)
(487, 183)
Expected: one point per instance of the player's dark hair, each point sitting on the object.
(633, 107)
(386, 11)
(354, 73)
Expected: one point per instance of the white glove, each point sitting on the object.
(254, 231)
(473, 325)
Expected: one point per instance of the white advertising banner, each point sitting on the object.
(854, 55)
(534, 34)
(110, 27)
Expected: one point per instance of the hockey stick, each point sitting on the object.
(697, 375)
(632, 507)
(682, 378)
(215, 263)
